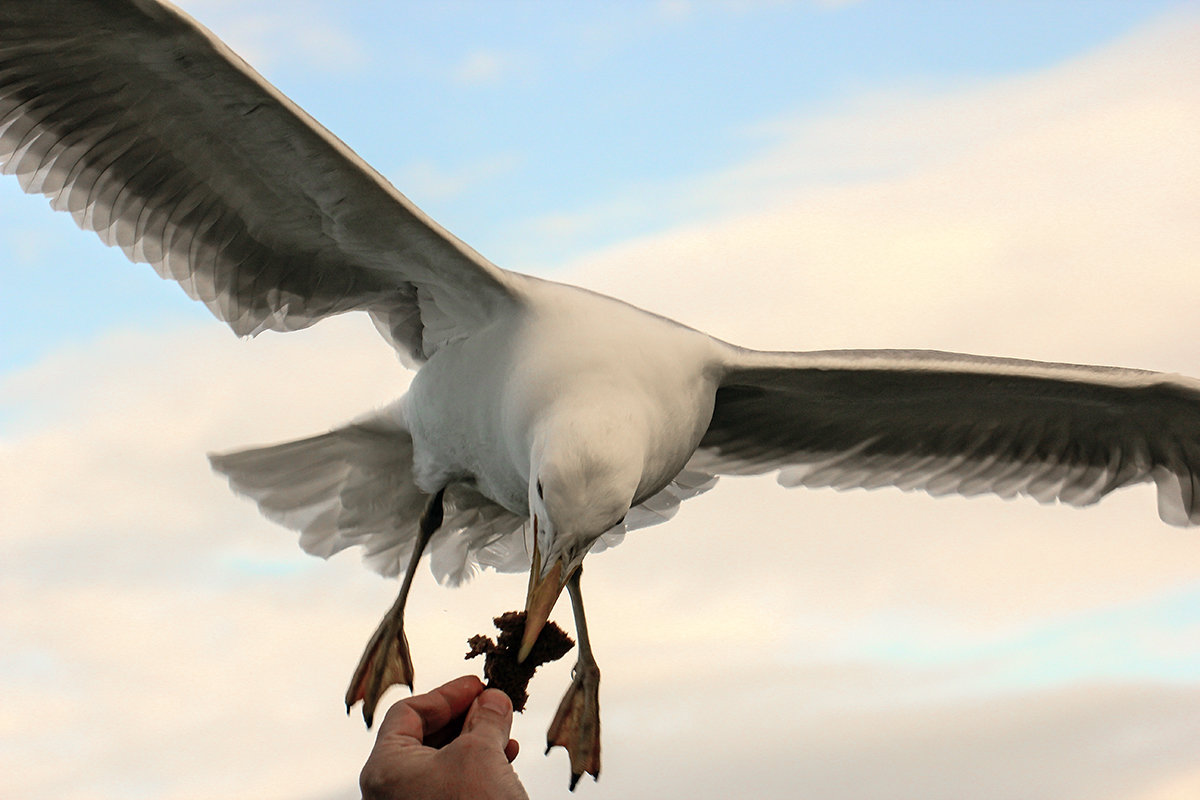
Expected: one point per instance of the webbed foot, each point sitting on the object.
(385, 662)
(576, 725)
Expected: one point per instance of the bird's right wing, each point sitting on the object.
(949, 423)
(154, 134)
(354, 486)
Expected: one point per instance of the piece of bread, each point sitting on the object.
(500, 666)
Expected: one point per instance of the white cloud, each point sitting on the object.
(269, 34)
(427, 181)
(1055, 196)
(675, 9)
(1101, 116)
(484, 67)
(1184, 786)
(859, 645)
(1094, 742)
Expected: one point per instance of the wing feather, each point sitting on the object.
(150, 132)
(354, 486)
(946, 423)
(659, 507)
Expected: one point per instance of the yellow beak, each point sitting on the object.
(543, 594)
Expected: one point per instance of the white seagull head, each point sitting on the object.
(583, 480)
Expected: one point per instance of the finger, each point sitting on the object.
(511, 749)
(458, 694)
(490, 719)
(416, 717)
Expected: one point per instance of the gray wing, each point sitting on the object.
(948, 423)
(354, 486)
(658, 507)
(151, 132)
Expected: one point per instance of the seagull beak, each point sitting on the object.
(543, 594)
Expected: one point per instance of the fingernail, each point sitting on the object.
(494, 700)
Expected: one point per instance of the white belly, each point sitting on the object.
(475, 407)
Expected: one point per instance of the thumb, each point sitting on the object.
(490, 718)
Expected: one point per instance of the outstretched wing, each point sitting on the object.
(151, 132)
(948, 423)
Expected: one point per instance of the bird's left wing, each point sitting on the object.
(948, 423)
(154, 134)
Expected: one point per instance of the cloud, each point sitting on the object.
(743, 6)
(427, 181)
(270, 34)
(160, 639)
(1101, 115)
(1054, 195)
(1183, 786)
(1103, 742)
(675, 9)
(484, 67)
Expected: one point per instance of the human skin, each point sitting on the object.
(420, 753)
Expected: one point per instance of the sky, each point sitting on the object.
(1016, 179)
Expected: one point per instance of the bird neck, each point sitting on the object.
(590, 465)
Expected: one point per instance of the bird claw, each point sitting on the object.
(576, 724)
(385, 662)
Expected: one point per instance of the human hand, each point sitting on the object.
(419, 753)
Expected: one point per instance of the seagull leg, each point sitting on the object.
(576, 725)
(386, 661)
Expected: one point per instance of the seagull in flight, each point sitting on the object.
(543, 421)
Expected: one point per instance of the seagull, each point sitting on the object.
(543, 421)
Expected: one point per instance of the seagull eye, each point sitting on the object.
(541, 496)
